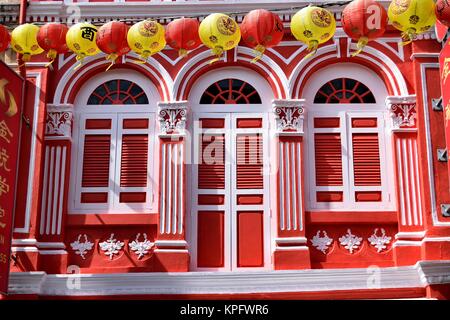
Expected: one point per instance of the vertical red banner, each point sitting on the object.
(11, 94)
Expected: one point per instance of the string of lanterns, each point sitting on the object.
(362, 20)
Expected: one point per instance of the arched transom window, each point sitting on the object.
(116, 92)
(343, 91)
(230, 91)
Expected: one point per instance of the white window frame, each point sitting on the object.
(345, 113)
(378, 88)
(83, 111)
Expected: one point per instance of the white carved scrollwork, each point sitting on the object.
(379, 242)
(111, 247)
(59, 123)
(403, 112)
(403, 115)
(349, 241)
(141, 248)
(172, 118)
(81, 248)
(289, 116)
(321, 243)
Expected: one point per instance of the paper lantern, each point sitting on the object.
(313, 26)
(412, 17)
(81, 39)
(364, 21)
(52, 38)
(146, 38)
(443, 12)
(24, 41)
(182, 35)
(220, 33)
(261, 29)
(5, 38)
(112, 40)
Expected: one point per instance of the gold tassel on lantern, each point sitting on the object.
(111, 57)
(259, 52)
(362, 42)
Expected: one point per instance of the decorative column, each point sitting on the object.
(54, 192)
(171, 247)
(403, 114)
(291, 251)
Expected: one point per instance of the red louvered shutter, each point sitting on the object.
(95, 173)
(249, 153)
(366, 166)
(366, 159)
(328, 165)
(328, 153)
(96, 161)
(133, 169)
(211, 170)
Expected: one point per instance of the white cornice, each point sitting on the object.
(401, 99)
(140, 10)
(318, 280)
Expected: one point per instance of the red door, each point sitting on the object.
(229, 199)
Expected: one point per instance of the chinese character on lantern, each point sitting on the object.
(5, 133)
(88, 33)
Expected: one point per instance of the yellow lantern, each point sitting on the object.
(146, 38)
(412, 17)
(81, 39)
(220, 33)
(24, 41)
(313, 26)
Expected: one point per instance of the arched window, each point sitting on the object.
(115, 92)
(347, 142)
(113, 147)
(230, 91)
(344, 90)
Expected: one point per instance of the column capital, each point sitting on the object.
(172, 118)
(289, 116)
(58, 124)
(403, 113)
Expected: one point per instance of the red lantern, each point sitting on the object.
(182, 35)
(112, 40)
(364, 21)
(5, 38)
(52, 38)
(443, 12)
(261, 29)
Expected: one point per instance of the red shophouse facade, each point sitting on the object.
(284, 178)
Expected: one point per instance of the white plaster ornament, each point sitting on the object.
(350, 241)
(321, 243)
(379, 242)
(59, 123)
(141, 248)
(82, 248)
(111, 246)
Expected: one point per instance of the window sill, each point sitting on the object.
(387, 217)
(111, 219)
